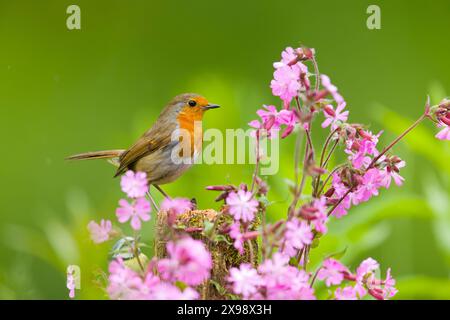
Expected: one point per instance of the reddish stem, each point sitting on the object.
(393, 143)
(339, 201)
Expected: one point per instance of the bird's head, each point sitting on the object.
(191, 106)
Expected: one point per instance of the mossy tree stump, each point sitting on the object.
(223, 253)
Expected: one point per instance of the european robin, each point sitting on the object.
(152, 152)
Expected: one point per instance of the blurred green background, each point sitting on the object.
(63, 92)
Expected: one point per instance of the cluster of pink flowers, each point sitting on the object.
(135, 186)
(365, 282)
(367, 170)
(286, 244)
(274, 279)
(351, 186)
(290, 75)
(189, 262)
(126, 284)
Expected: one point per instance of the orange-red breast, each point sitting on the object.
(152, 152)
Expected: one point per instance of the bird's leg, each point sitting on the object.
(162, 191)
(152, 200)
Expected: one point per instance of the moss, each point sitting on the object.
(223, 253)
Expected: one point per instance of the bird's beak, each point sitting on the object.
(211, 106)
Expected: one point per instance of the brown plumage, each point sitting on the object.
(106, 154)
(151, 153)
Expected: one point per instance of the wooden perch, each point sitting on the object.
(223, 253)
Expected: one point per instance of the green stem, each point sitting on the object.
(322, 164)
(255, 174)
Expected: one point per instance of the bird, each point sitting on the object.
(153, 152)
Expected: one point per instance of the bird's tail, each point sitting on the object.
(106, 154)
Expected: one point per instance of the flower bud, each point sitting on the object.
(364, 134)
(220, 188)
(307, 212)
(329, 192)
(446, 119)
(263, 188)
(329, 110)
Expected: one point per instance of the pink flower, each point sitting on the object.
(332, 272)
(188, 261)
(245, 280)
(306, 293)
(326, 83)
(368, 283)
(346, 293)
(371, 182)
(236, 235)
(389, 290)
(279, 117)
(364, 148)
(123, 283)
(137, 211)
(367, 266)
(100, 232)
(274, 269)
(275, 279)
(297, 235)
(289, 119)
(364, 273)
(167, 291)
(134, 184)
(333, 117)
(287, 56)
(242, 206)
(444, 134)
(270, 117)
(286, 83)
(321, 215)
(272, 120)
(176, 205)
(283, 281)
(342, 208)
(390, 173)
(339, 191)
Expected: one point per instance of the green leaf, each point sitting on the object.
(220, 289)
(338, 255)
(208, 228)
(181, 285)
(222, 238)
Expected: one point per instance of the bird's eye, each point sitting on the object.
(192, 103)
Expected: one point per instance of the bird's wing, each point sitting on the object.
(154, 139)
